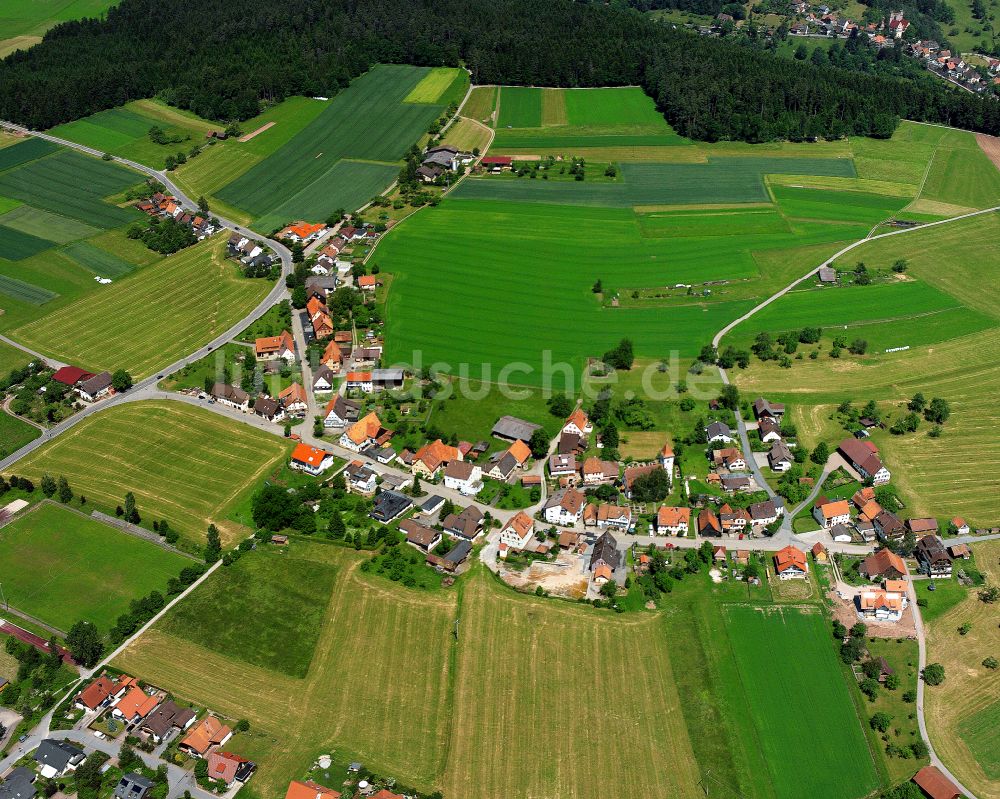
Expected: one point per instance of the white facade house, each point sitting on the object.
(564, 507)
(517, 533)
(464, 477)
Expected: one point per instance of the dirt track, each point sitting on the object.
(253, 133)
(991, 146)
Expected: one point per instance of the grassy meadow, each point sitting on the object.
(183, 464)
(199, 295)
(60, 566)
(963, 714)
(24, 22)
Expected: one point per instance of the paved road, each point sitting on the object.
(51, 361)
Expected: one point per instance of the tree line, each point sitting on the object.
(707, 88)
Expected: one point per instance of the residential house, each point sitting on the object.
(562, 465)
(883, 565)
(231, 396)
(133, 786)
(167, 717)
(364, 433)
(613, 517)
(302, 232)
(227, 768)
(309, 790)
(564, 507)
(605, 558)
(389, 505)
(57, 758)
(734, 522)
(384, 455)
(310, 459)
(763, 409)
(719, 432)
(862, 497)
(135, 706)
(94, 388)
(18, 784)
(733, 483)
(360, 478)
(467, 524)
(204, 735)
(295, 400)
(709, 524)
(359, 381)
(820, 553)
(719, 554)
(503, 467)
(932, 557)
(419, 535)
(578, 424)
(464, 477)
(961, 528)
(769, 430)
(672, 521)
(340, 412)
(367, 282)
(510, 428)
(791, 564)
(863, 456)
(102, 692)
(865, 529)
(780, 457)
(935, 784)
(269, 409)
(764, 513)
(323, 378)
(269, 348)
(730, 458)
(828, 513)
(333, 357)
(571, 444)
(880, 605)
(521, 453)
(597, 472)
(518, 531)
(430, 458)
(889, 526)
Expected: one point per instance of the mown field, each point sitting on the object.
(963, 714)
(23, 22)
(183, 464)
(382, 678)
(370, 121)
(124, 131)
(199, 294)
(15, 433)
(61, 567)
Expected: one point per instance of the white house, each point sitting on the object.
(311, 460)
(360, 381)
(829, 514)
(578, 424)
(564, 507)
(672, 521)
(718, 432)
(791, 564)
(614, 517)
(881, 605)
(362, 434)
(517, 533)
(339, 412)
(463, 476)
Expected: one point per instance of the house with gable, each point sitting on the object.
(364, 433)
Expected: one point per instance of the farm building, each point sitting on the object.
(511, 428)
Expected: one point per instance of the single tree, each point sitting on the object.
(933, 674)
(213, 544)
(880, 721)
(65, 492)
(917, 403)
(336, 527)
(539, 443)
(203, 205)
(49, 486)
(85, 643)
(821, 453)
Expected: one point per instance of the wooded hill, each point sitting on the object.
(225, 56)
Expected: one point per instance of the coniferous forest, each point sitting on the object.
(221, 58)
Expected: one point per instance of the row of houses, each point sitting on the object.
(952, 67)
(166, 206)
(249, 252)
(870, 521)
(739, 522)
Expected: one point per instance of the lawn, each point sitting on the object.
(963, 714)
(183, 464)
(25, 21)
(14, 433)
(11, 358)
(368, 121)
(778, 685)
(124, 131)
(199, 294)
(961, 173)
(291, 591)
(60, 566)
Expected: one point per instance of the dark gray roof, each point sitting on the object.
(605, 549)
(513, 428)
(265, 406)
(57, 754)
(167, 715)
(18, 784)
(506, 464)
(133, 786)
(432, 503)
(459, 552)
(387, 375)
(388, 505)
(718, 429)
(763, 510)
(96, 384)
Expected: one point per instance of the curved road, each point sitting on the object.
(786, 536)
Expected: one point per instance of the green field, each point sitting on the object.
(520, 107)
(124, 131)
(481, 103)
(275, 586)
(25, 292)
(199, 295)
(23, 22)
(368, 121)
(11, 358)
(183, 464)
(795, 692)
(60, 566)
(100, 262)
(17, 245)
(14, 434)
(722, 180)
(440, 86)
(46, 225)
